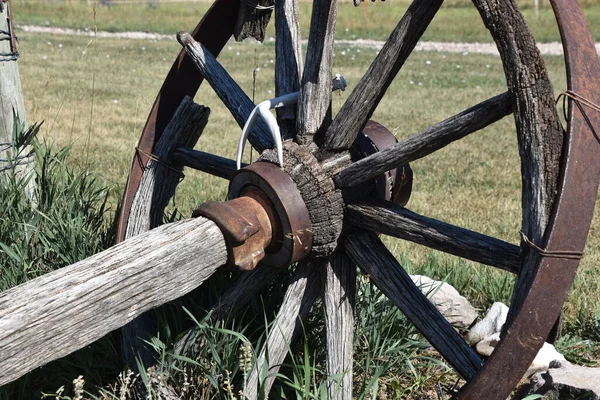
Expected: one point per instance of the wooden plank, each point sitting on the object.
(427, 141)
(157, 187)
(339, 294)
(314, 105)
(253, 18)
(230, 93)
(367, 94)
(371, 255)
(298, 300)
(60, 312)
(390, 219)
(205, 162)
(288, 61)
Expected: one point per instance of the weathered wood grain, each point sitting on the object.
(367, 94)
(230, 93)
(314, 105)
(288, 61)
(253, 18)
(205, 162)
(298, 300)
(371, 255)
(158, 184)
(390, 219)
(339, 294)
(60, 312)
(428, 141)
(539, 131)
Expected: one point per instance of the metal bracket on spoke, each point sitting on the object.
(262, 109)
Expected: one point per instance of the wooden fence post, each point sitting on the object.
(11, 102)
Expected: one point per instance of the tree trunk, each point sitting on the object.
(12, 108)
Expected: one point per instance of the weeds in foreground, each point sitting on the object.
(64, 222)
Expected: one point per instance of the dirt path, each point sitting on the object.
(552, 48)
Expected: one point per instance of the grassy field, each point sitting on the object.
(371, 21)
(96, 95)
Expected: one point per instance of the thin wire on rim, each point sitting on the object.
(257, 6)
(563, 254)
(159, 160)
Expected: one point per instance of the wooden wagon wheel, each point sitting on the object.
(559, 174)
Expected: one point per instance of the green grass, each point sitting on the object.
(95, 95)
(457, 22)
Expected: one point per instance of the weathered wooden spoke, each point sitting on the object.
(299, 298)
(390, 219)
(339, 294)
(206, 162)
(428, 141)
(314, 106)
(371, 255)
(367, 94)
(288, 61)
(230, 93)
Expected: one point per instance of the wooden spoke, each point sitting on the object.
(205, 162)
(390, 219)
(314, 105)
(230, 93)
(338, 304)
(371, 255)
(298, 300)
(367, 94)
(428, 141)
(158, 184)
(288, 61)
(230, 304)
(103, 293)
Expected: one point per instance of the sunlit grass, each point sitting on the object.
(457, 21)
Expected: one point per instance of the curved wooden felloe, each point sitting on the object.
(548, 167)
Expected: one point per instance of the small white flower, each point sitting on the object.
(271, 61)
(45, 58)
(343, 53)
(420, 83)
(270, 91)
(228, 47)
(237, 53)
(257, 69)
(60, 45)
(346, 30)
(465, 53)
(115, 101)
(49, 43)
(487, 65)
(358, 50)
(428, 62)
(143, 49)
(108, 56)
(84, 52)
(271, 39)
(457, 66)
(412, 82)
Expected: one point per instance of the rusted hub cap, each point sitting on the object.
(292, 236)
(394, 185)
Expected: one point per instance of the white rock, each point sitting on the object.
(544, 358)
(569, 382)
(487, 345)
(489, 325)
(457, 309)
